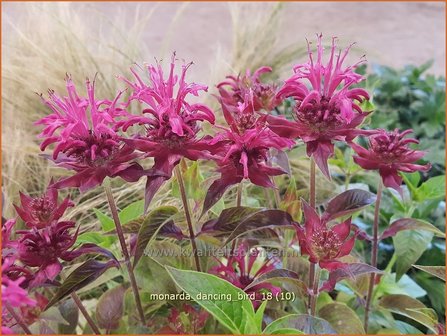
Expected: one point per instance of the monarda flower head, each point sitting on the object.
(13, 294)
(244, 156)
(171, 123)
(43, 248)
(82, 131)
(242, 97)
(327, 108)
(390, 153)
(323, 244)
(243, 266)
(43, 210)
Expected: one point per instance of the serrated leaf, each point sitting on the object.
(109, 309)
(230, 313)
(409, 246)
(80, 277)
(437, 271)
(152, 223)
(306, 324)
(411, 308)
(348, 202)
(342, 318)
(410, 224)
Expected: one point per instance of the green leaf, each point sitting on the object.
(437, 271)
(109, 309)
(91, 237)
(193, 181)
(152, 223)
(132, 211)
(433, 188)
(306, 324)
(411, 308)
(80, 277)
(409, 246)
(230, 304)
(342, 318)
(106, 222)
(405, 286)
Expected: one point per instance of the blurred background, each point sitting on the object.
(404, 44)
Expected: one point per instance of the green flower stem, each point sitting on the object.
(119, 231)
(179, 177)
(374, 252)
(18, 319)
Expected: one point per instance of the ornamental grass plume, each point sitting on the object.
(390, 153)
(171, 123)
(243, 266)
(82, 131)
(323, 244)
(326, 110)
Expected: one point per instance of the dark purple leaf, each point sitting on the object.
(216, 191)
(81, 277)
(70, 313)
(262, 219)
(171, 230)
(228, 220)
(409, 224)
(283, 275)
(281, 159)
(347, 203)
(152, 223)
(362, 235)
(153, 183)
(109, 309)
(348, 271)
(86, 249)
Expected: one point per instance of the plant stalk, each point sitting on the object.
(119, 231)
(313, 297)
(179, 176)
(312, 203)
(18, 319)
(239, 195)
(374, 252)
(84, 312)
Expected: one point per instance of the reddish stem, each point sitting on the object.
(84, 312)
(18, 319)
(374, 252)
(119, 231)
(312, 203)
